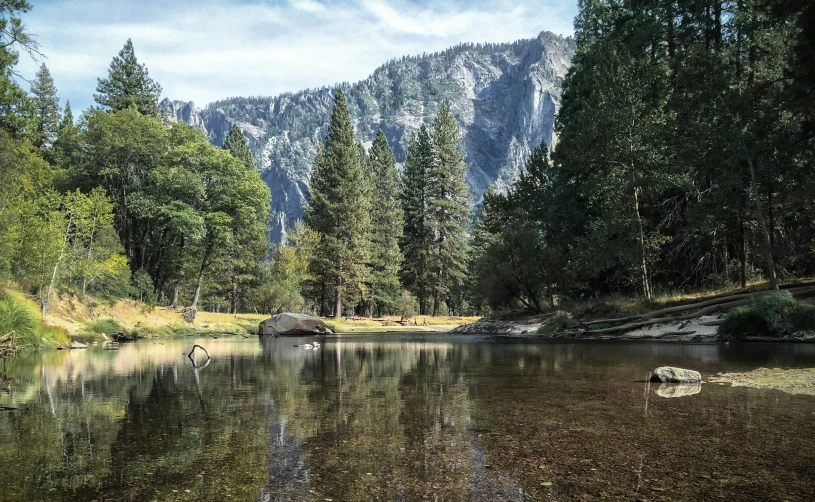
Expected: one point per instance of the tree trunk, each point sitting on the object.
(234, 304)
(768, 254)
(88, 262)
(176, 289)
(204, 264)
(646, 283)
(47, 299)
(338, 298)
(743, 253)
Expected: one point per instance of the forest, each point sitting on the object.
(683, 161)
(119, 202)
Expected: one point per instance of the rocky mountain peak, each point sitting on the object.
(504, 96)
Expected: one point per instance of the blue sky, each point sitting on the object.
(209, 49)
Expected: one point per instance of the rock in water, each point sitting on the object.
(293, 324)
(669, 374)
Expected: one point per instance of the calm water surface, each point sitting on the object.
(400, 417)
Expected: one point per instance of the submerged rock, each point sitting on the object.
(679, 390)
(669, 374)
(293, 324)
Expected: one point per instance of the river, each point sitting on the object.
(400, 417)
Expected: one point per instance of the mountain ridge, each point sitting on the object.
(504, 97)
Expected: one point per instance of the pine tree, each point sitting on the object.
(46, 106)
(448, 208)
(339, 209)
(386, 224)
(67, 119)
(128, 84)
(415, 241)
(238, 146)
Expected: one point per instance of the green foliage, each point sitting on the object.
(340, 209)
(386, 225)
(560, 320)
(18, 320)
(236, 144)
(128, 85)
(46, 108)
(448, 208)
(104, 326)
(406, 305)
(415, 243)
(775, 314)
(143, 289)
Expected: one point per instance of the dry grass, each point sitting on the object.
(391, 323)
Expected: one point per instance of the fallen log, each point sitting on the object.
(200, 347)
(797, 292)
(649, 322)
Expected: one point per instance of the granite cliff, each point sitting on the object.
(504, 96)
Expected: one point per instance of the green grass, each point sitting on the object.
(21, 325)
(559, 321)
(104, 327)
(776, 314)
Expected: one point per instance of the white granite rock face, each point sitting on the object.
(504, 96)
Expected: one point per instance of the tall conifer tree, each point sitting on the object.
(46, 108)
(339, 209)
(415, 242)
(386, 224)
(128, 84)
(448, 208)
(238, 146)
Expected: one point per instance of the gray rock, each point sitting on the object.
(504, 97)
(293, 324)
(678, 390)
(669, 374)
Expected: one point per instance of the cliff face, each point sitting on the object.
(504, 96)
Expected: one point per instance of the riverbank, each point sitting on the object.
(752, 314)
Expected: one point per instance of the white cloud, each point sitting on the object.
(210, 49)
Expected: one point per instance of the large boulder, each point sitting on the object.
(669, 374)
(293, 324)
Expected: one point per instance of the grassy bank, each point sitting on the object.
(391, 324)
(90, 319)
(22, 326)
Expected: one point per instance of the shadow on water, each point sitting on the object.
(400, 417)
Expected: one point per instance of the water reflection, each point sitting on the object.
(398, 418)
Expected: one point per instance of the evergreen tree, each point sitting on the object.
(339, 210)
(386, 224)
(448, 208)
(16, 111)
(415, 241)
(67, 119)
(238, 146)
(128, 84)
(46, 108)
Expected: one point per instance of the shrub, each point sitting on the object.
(559, 321)
(18, 320)
(105, 326)
(775, 314)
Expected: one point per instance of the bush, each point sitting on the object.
(18, 320)
(775, 314)
(559, 321)
(104, 326)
